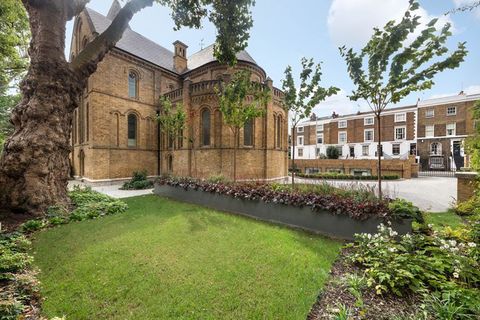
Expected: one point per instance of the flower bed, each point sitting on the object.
(336, 214)
(339, 176)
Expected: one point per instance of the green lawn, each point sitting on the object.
(168, 260)
(444, 219)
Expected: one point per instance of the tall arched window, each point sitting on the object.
(205, 127)
(132, 85)
(248, 133)
(436, 149)
(132, 130)
(279, 132)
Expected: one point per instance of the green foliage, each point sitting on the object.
(341, 176)
(472, 144)
(32, 225)
(14, 38)
(402, 208)
(332, 152)
(342, 312)
(217, 178)
(171, 118)
(139, 181)
(13, 254)
(241, 100)
(91, 204)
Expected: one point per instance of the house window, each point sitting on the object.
(132, 130)
(300, 152)
(342, 137)
(340, 151)
(320, 138)
(132, 85)
(299, 129)
(279, 132)
(300, 141)
(206, 127)
(180, 138)
(368, 135)
(451, 111)
(451, 129)
(342, 124)
(436, 149)
(400, 117)
(429, 113)
(400, 133)
(429, 131)
(396, 149)
(319, 128)
(436, 163)
(369, 121)
(248, 133)
(365, 150)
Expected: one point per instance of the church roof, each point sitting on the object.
(138, 45)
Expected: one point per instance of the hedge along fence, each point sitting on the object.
(328, 215)
(336, 176)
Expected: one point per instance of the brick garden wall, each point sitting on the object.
(466, 184)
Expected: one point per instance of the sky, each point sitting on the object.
(284, 31)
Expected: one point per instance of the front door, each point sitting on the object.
(352, 152)
(457, 154)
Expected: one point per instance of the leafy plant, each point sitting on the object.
(402, 208)
(139, 181)
(343, 312)
(332, 152)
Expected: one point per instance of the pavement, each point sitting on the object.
(434, 194)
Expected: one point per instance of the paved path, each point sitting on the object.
(435, 194)
(113, 190)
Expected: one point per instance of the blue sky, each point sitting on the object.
(284, 31)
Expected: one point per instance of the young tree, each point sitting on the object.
(299, 104)
(240, 101)
(389, 67)
(473, 143)
(34, 165)
(171, 119)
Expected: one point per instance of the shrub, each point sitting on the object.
(405, 209)
(32, 225)
(13, 254)
(332, 152)
(341, 176)
(139, 181)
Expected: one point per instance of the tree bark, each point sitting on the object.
(34, 167)
(235, 146)
(379, 156)
(293, 157)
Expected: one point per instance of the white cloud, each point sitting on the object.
(473, 89)
(351, 23)
(463, 3)
(340, 104)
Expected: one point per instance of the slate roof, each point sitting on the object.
(136, 44)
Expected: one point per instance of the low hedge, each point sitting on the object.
(341, 176)
(347, 203)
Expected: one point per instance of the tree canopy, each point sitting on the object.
(171, 118)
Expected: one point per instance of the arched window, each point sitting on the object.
(248, 133)
(84, 43)
(170, 163)
(205, 127)
(87, 120)
(279, 131)
(132, 130)
(132, 85)
(436, 149)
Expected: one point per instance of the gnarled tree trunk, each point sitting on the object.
(34, 166)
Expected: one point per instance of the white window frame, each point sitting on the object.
(433, 131)
(404, 117)
(298, 152)
(428, 115)
(452, 114)
(367, 147)
(341, 122)
(366, 123)
(319, 128)
(365, 135)
(320, 135)
(300, 138)
(300, 129)
(405, 133)
(454, 129)
(346, 137)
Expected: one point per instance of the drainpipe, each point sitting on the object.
(158, 142)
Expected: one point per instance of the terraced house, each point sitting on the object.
(115, 130)
(433, 130)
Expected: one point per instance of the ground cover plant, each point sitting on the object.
(139, 181)
(19, 288)
(170, 260)
(358, 203)
(341, 176)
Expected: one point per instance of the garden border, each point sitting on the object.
(323, 222)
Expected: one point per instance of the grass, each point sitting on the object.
(169, 260)
(444, 219)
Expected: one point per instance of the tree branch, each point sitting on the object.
(74, 7)
(86, 62)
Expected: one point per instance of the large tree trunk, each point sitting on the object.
(34, 167)
(379, 156)
(293, 157)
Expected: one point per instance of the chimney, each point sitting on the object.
(180, 56)
(313, 117)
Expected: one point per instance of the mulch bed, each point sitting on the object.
(376, 307)
(11, 221)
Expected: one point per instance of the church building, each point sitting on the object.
(115, 131)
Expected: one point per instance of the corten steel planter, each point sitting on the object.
(322, 222)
